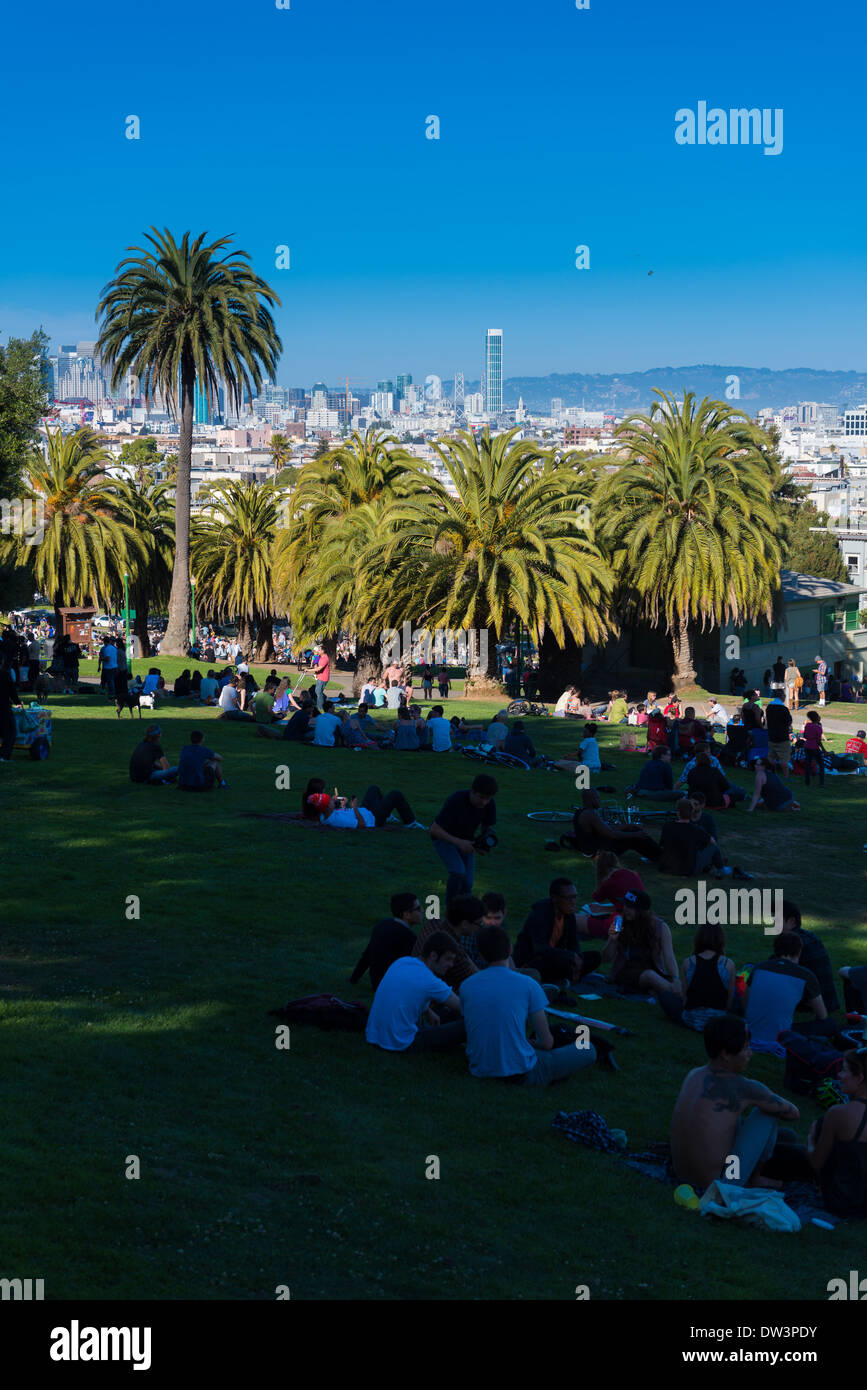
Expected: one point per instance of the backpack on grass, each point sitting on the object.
(809, 1062)
(326, 1011)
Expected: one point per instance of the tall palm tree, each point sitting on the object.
(176, 315)
(515, 543)
(691, 521)
(232, 544)
(147, 506)
(365, 469)
(85, 546)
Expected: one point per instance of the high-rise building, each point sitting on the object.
(385, 386)
(403, 381)
(319, 396)
(382, 402)
(557, 406)
(494, 371)
(827, 416)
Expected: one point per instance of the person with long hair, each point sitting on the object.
(707, 978)
(613, 881)
(640, 949)
(837, 1146)
(315, 801)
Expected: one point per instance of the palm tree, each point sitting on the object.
(86, 545)
(232, 544)
(148, 506)
(178, 315)
(514, 544)
(280, 449)
(366, 468)
(690, 518)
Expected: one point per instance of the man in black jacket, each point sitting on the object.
(390, 939)
(814, 956)
(548, 941)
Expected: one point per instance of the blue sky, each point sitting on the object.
(306, 127)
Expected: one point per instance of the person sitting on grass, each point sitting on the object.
(375, 809)
(498, 1004)
(856, 748)
(613, 882)
(498, 730)
(390, 939)
(640, 949)
(493, 909)
(707, 978)
(464, 920)
(720, 1114)
(464, 816)
(814, 956)
(710, 780)
(549, 941)
(518, 744)
(263, 702)
(775, 989)
(656, 779)
(148, 762)
(770, 790)
(183, 686)
(837, 1146)
(406, 733)
(200, 768)
(688, 851)
(209, 688)
(439, 730)
(405, 994)
(617, 711)
(593, 833)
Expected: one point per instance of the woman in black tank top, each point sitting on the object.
(836, 1150)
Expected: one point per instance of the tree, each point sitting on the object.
(25, 374)
(148, 507)
(322, 448)
(690, 520)
(85, 546)
(142, 457)
(515, 544)
(178, 315)
(280, 449)
(812, 552)
(232, 556)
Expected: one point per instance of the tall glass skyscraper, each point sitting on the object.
(494, 371)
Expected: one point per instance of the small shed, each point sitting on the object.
(77, 625)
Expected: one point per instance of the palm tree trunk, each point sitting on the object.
(481, 682)
(265, 641)
(559, 667)
(177, 639)
(684, 669)
(245, 637)
(367, 665)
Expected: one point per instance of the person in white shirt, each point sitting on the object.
(562, 703)
(716, 714)
(373, 813)
(404, 996)
(440, 730)
(324, 727)
(498, 729)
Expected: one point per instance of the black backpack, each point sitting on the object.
(326, 1011)
(809, 1061)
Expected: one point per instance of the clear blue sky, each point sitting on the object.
(306, 127)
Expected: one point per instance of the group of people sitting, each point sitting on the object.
(198, 768)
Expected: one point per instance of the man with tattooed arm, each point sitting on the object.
(711, 1124)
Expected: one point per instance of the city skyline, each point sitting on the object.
(394, 241)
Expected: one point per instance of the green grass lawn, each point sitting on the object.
(306, 1167)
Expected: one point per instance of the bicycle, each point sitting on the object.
(478, 754)
(556, 816)
(526, 707)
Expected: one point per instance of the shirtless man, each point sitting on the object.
(593, 833)
(709, 1125)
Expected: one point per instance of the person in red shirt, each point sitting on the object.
(857, 747)
(322, 671)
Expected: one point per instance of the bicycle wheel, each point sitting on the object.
(475, 755)
(509, 760)
(549, 815)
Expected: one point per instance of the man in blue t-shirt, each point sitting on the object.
(199, 768)
(776, 988)
(498, 1003)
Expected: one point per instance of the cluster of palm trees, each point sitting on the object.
(681, 526)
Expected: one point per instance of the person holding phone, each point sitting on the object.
(640, 949)
(347, 814)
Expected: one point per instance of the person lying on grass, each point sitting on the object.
(711, 1124)
(404, 997)
(345, 813)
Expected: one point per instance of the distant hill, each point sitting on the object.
(759, 386)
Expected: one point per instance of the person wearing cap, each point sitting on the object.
(641, 950)
(857, 747)
(821, 674)
(148, 762)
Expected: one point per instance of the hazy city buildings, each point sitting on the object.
(494, 371)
